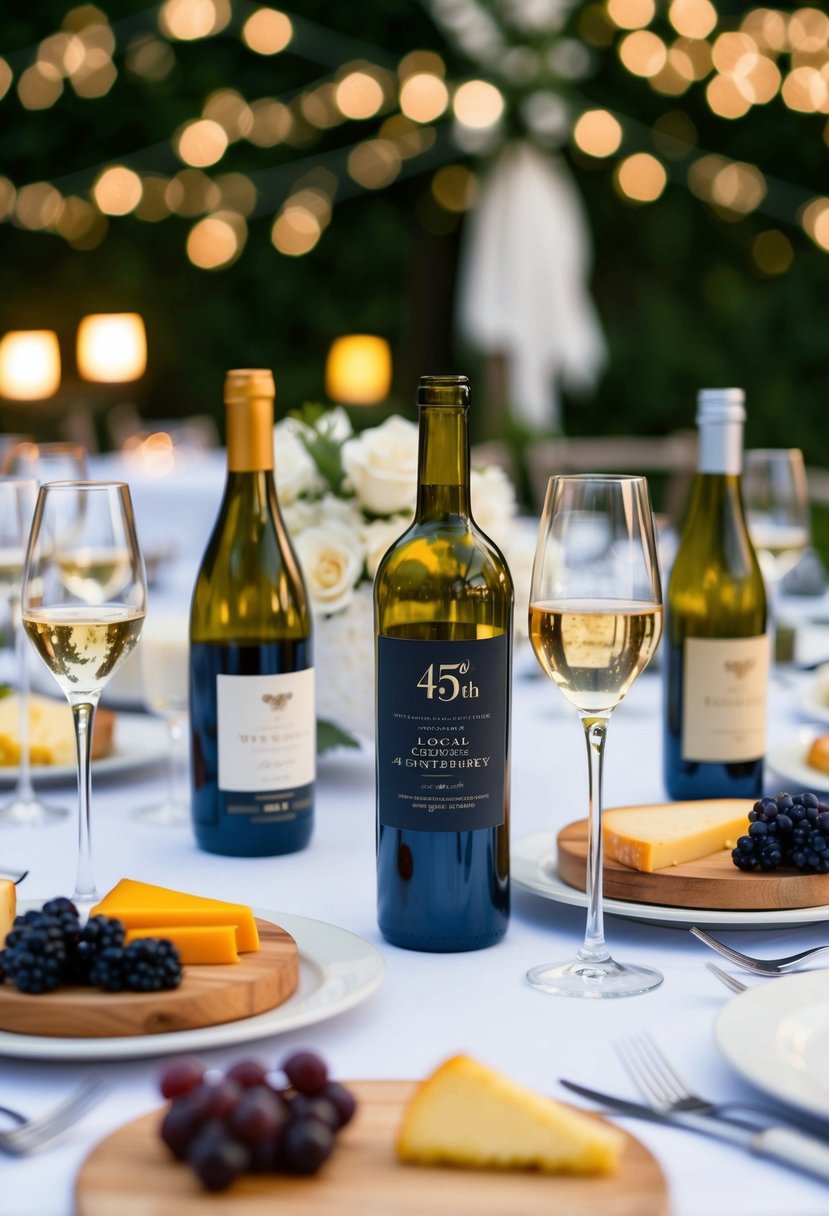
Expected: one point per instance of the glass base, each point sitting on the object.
(30, 812)
(165, 814)
(594, 979)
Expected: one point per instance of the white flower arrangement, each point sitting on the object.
(345, 499)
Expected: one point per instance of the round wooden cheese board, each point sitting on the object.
(133, 1171)
(712, 882)
(207, 996)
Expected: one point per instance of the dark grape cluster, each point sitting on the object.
(48, 947)
(250, 1120)
(789, 830)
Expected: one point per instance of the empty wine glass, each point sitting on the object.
(164, 654)
(59, 461)
(17, 502)
(83, 604)
(595, 621)
(776, 502)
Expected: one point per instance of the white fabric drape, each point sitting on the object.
(523, 282)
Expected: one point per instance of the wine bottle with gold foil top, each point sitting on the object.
(443, 624)
(252, 715)
(716, 648)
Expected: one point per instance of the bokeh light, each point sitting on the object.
(8, 194)
(217, 240)
(772, 252)
(643, 53)
(631, 14)
(423, 97)
(641, 177)
(815, 221)
(296, 231)
(728, 96)
(692, 18)
(111, 347)
(153, 205)
(374, 164)
(359, 95)
(117, 190)
(806, 90)
(80, 224)
(6, 77)
(188, 20)
(272, 122)
(37, 206)
(201, 143)
(598, 133)
(192, 192)
(29, 364)
(150, 57)
(229, 109)
(421, 61)
(478, 104)
(267, 31)
(455, 188)
(39, 86)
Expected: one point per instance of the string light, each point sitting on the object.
(117, 191)
(359, 95)
(597, 133)
(423, 97)
(202, 143)
(216, 241)
(640, 178)
(478, 104)
(267, 31)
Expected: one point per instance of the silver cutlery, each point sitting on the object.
(782, 1144)
(33, 1134)
(665, 1090)
(16, 876)
(730, 981)
(760, 966)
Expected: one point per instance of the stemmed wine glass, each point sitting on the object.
(83, 605)
(34, 463)
(776, 502)
(17, 503)
(164, 654)
(595, 621)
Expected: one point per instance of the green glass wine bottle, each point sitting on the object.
(716, 656)
(443, 624)
(253, 724)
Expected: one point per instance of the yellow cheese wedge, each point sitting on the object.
(141, 905)
(467, 1114)
(51, 732)
(195, 943)
(656, 837)
(8, 907)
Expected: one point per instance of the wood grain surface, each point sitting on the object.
(712, 882)
(133, 1174)
(207, 996)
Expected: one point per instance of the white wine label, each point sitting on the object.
(724, 698)
(442, 733)
(267, 731)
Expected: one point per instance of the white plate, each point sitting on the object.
(788, 761)
(139, 741)
(534, 867)
(337, 970)
(777, 1036)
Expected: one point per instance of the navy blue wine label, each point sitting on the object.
(442, 733)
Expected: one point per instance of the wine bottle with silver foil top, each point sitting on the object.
(251, 674)
(443, 623)
(716, 658)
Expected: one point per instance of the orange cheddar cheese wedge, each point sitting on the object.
(142, 905)
(195, 943)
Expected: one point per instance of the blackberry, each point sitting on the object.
(145, 965)
(36, 958)
(789, 830)
(98, 934)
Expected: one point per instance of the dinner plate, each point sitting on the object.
(788, 761)
(337, 970)
(534, 867)
(139, 741)
(776, 1035)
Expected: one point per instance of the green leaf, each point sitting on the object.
(330, 736)
(5, 691)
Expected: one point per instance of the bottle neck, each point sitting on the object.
(721, 447)
(250, 435)
(443, 462)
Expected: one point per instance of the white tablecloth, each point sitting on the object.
(430, 1006)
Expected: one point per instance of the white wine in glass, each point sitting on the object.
(83, 628)
(595, 620)
(776, 502)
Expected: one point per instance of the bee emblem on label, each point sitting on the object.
(276, 700)
(739, 667)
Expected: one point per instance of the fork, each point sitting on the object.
(760, 966)
(33, 1134)
(665, 1090)
(730, 981)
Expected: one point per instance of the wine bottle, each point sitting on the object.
(252, 717)
(443, 603)
(716, 649)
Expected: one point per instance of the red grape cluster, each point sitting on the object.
(246, 1121)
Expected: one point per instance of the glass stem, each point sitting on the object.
(594, 949)
(84, 716)
(175, 726)
(25, 793)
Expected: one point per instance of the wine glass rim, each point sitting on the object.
(772, 451)
(84, 485)
(608, 477)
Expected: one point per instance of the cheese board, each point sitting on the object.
(712, 882)
(208, 995)
(132, 1170)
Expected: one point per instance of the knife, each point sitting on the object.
(783, 1144)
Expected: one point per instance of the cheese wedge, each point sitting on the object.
(655, 837)
(467, 1114)
(51, 733)
(195, 943)
(141, 905)
(8, 907)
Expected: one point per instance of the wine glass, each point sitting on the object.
(164, 654)
(59, 461)
(776, 503)
(17, 502)
(595, 621)
(83, 604)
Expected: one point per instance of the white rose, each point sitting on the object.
(300, 515)
(493, 501)
(332, 560)
(382, 466)
(343, 511)
(378, 536)
(344, 661)
(334, 424)
(295, 471)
